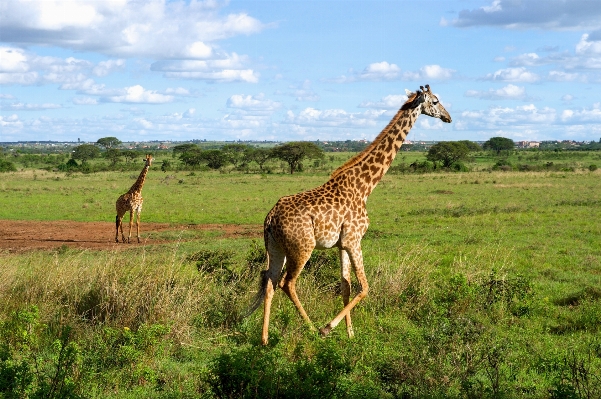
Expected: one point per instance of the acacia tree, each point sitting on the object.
(215, 158)
(295, 152)
(192, 157)
(448, 152)
(259, 155)
(234, 153)
(113, 154)
(129, 155)
(499, 144)
(85, 152)
(108, 142)
(182, 148)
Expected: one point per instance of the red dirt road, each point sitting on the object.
(22, 236)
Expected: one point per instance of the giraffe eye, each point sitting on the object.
(435, 102)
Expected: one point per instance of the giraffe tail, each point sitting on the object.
(260, 295)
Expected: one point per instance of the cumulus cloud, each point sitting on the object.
(18, 66)
(229, 68)
(252, 103)
(137, 94)
(513, 75)
(430, 72)
(124, 28)
(390, 102)
(85, 101)
(509, 92)
(311, 117)
(302, 92)
(384, 71)
(502, 117)
(590, 115)
(30, 107)
(553, 15)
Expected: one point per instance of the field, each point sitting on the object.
(482, 284)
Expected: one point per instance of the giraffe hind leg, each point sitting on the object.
(131, 222)
(270, 277)
(288, 283)
(345, 288)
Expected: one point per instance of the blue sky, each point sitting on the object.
(297, 70)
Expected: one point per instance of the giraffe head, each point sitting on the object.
(148, 159)
(428, 102)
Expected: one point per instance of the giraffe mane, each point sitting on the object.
(359, 157)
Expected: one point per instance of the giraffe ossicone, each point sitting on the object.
(131, 202)
(334, 215)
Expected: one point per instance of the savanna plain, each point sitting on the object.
(482, 284)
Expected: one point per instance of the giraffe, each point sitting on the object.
(132, 201)
(334, 215)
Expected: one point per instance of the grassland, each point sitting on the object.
(482, 284)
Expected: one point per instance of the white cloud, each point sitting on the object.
(567, 98)
(560, 76)
(383, 71)
(178, 91)
(311, 117)
(229, 68)
(125, 28)
(10, 121)
(137, 94)
(85, 101)
(390, 102)
(513, 75)
(550, 14)
(591, 115)
(105, 67)
(252, 103)
(497, 117)
(509, 92)
(30, 107)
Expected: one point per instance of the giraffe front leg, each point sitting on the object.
(356, 258)
(131, 222)
(138, 226)
(345, 288)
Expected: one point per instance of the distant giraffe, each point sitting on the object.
(334, 215)
(132, 201)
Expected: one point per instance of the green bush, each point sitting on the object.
(33, 363)
(7, 166)
(266, 372)
(592, 167)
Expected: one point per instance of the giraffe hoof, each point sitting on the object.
(325, 331)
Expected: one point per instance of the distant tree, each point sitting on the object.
(215, 159)
(181, 148)
(108, 142)
(85, 152)
(234, 153)
(499, 144)
(259, 155)
(295, 152)
(192, 157)
(113, 154)
(473, 147)
(7, 166)
(129, 155)
(166, 165)
(447, 152)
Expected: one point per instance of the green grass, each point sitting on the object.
(482, 284)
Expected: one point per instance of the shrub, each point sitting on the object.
(7, 166)
(592, 167)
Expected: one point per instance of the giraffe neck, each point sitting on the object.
(137, 187)
(365, 170)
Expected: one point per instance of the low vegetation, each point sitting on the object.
(482, 284)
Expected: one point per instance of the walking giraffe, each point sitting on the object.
(132, 201)
(334, 215)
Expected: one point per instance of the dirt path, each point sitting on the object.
(20, 236)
